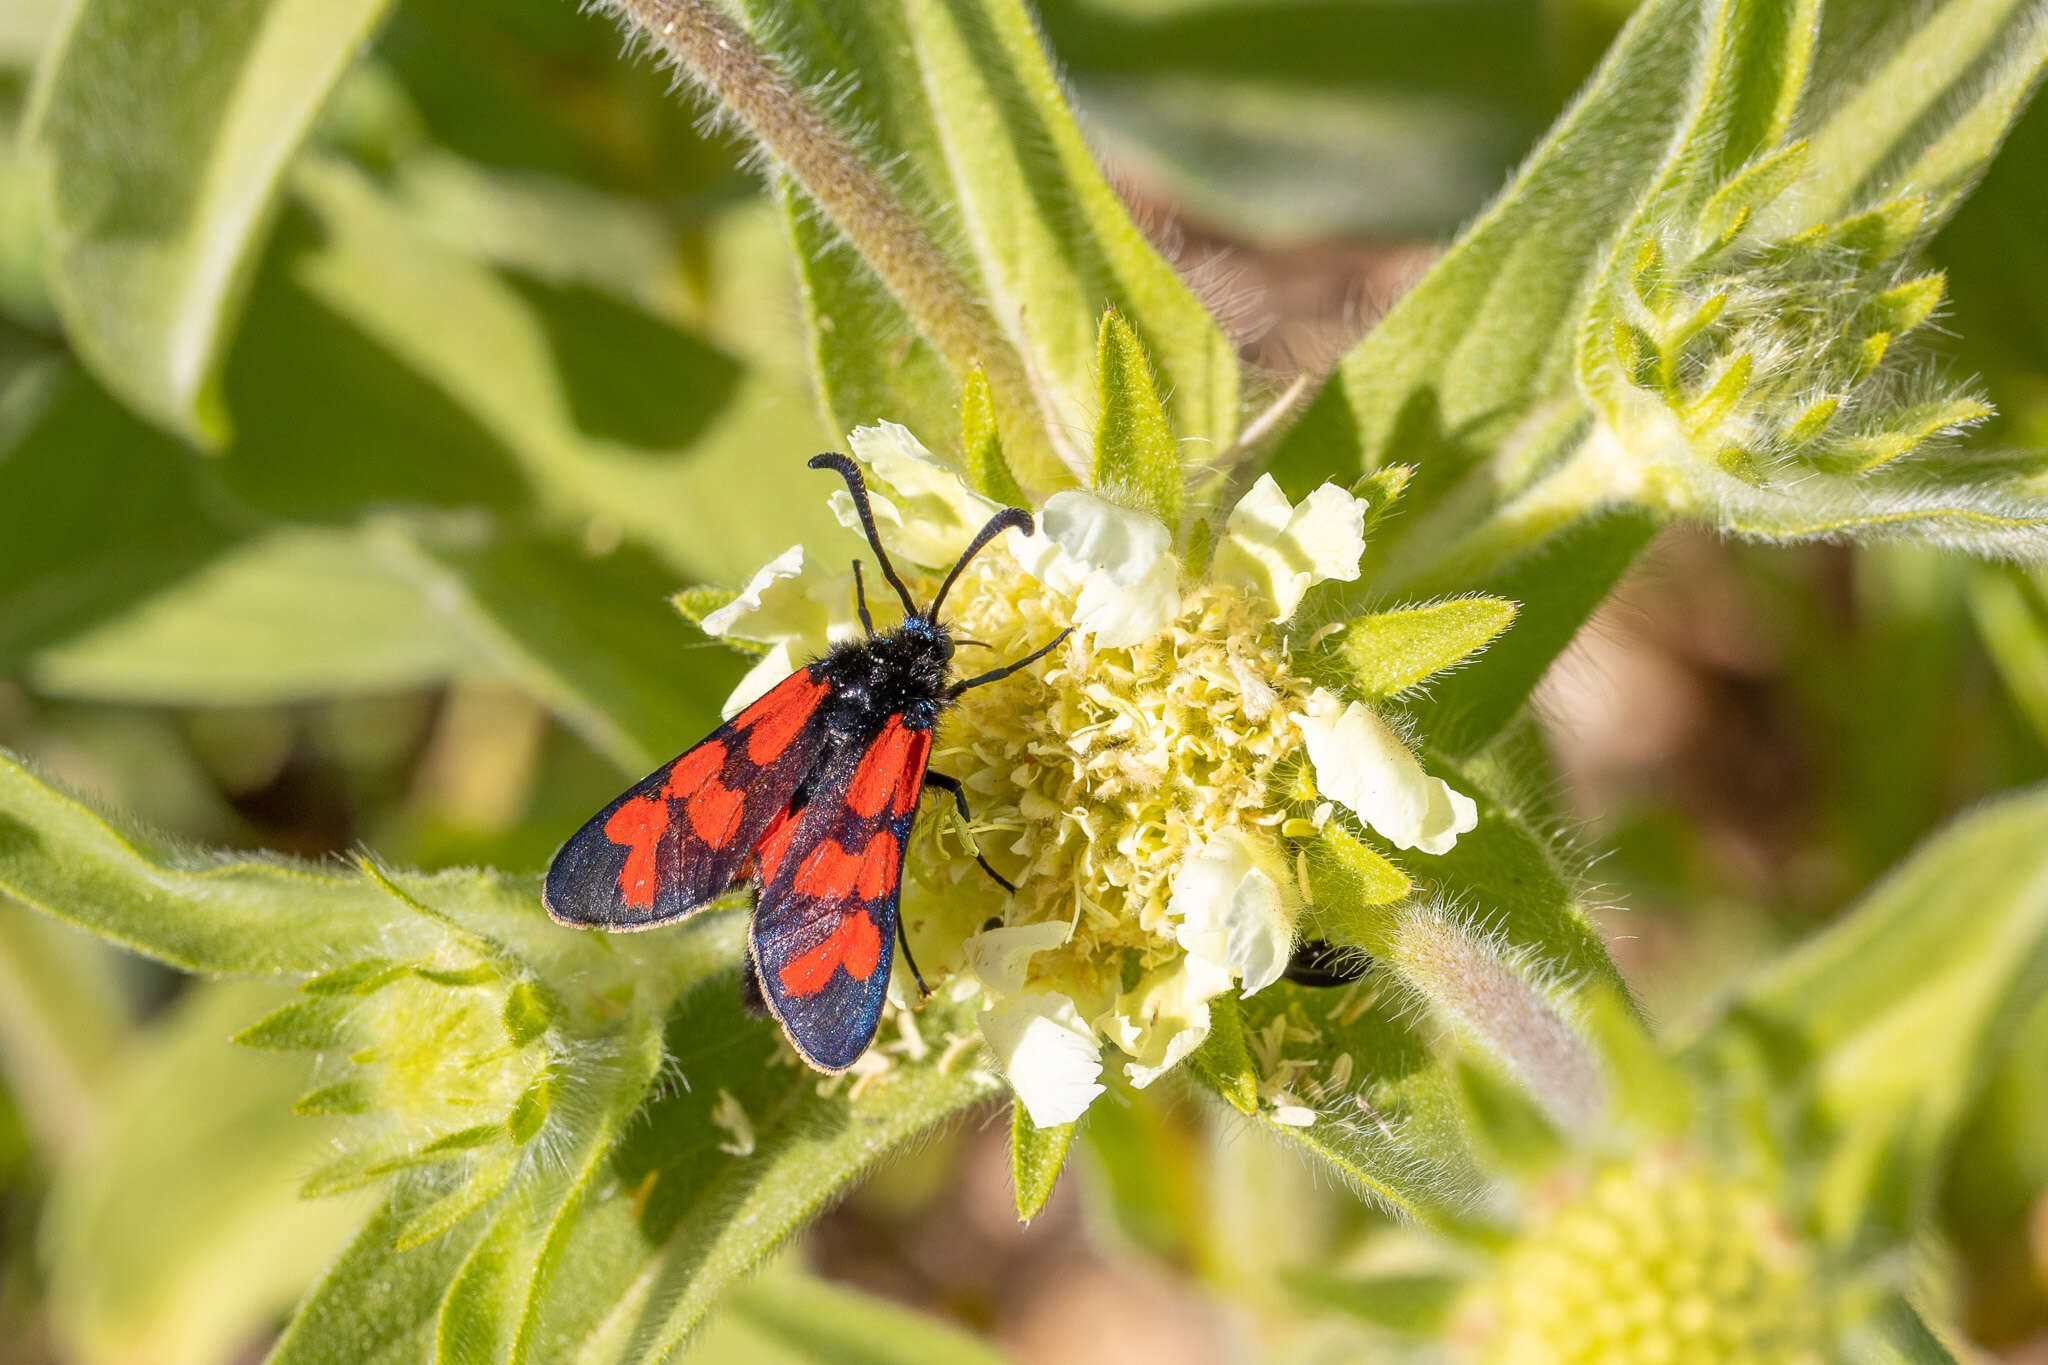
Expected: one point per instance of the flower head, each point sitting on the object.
(1143, 786)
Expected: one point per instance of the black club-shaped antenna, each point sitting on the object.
(1009, 519)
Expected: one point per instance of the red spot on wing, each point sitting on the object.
(882, 767)
(639, 825)
(854, 944)
(779, 717)
(828, 873)
(694, 769)
(715, 813)
(775, 843)
(913, 773)
(880, 862)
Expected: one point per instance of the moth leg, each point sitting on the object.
(860, 600)
(952, 784)
(903, 942)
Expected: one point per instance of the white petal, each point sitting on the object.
(773, 606)
(1120, 561)
(1232, 910)
(1451, 813)
(1360, 762)
(1166, 1017)
(777, 664)
(1282, 550)
(794, 600)
(926, 514)
(1329, 527)
(1118, 617)
(1001, 957)
(1121, 542)
(1049, 1056)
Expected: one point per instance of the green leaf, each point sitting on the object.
(1036, 1158)
(377, 1303)
(1894, 1333)
(591, 637)
(1889, 1022)
(2011, 610)
(202, 914)
(164, 146)
(493, 1304)
(867, 361)
(1306, 123)
(787, 1319)
(1384, 1111)
(988, 473)
(286, 616)
(1135, 452)
(980, 146)
(527, 1013)
(97, 510)
(64, 1014)
(693, 1210)
(1351, 884)
(621, 421)
(1383, 655)
(177, 1233)
(1910, 97)
(1477, 345)
(301, 1026)
(1224, 1060)
(1470, 376)
(1559, 585)
(1414, 1304)
(1513, 869)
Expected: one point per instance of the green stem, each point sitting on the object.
(781, 115)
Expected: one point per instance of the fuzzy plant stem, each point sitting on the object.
(1469, 979)
(712, 47)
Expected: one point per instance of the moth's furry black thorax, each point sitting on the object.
(905, 670)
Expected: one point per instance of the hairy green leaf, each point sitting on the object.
(377, 1303)
(719, 1171)
(1135, 451)
(988, 473)
(1524, 492)
(1037, 1156)
(164, 144)
(1383, 655)
(204, 914)
(493, 1304)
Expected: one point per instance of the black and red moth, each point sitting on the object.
(810, 793)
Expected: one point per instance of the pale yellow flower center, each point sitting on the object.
(1662, 1262)
(1095, 772)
